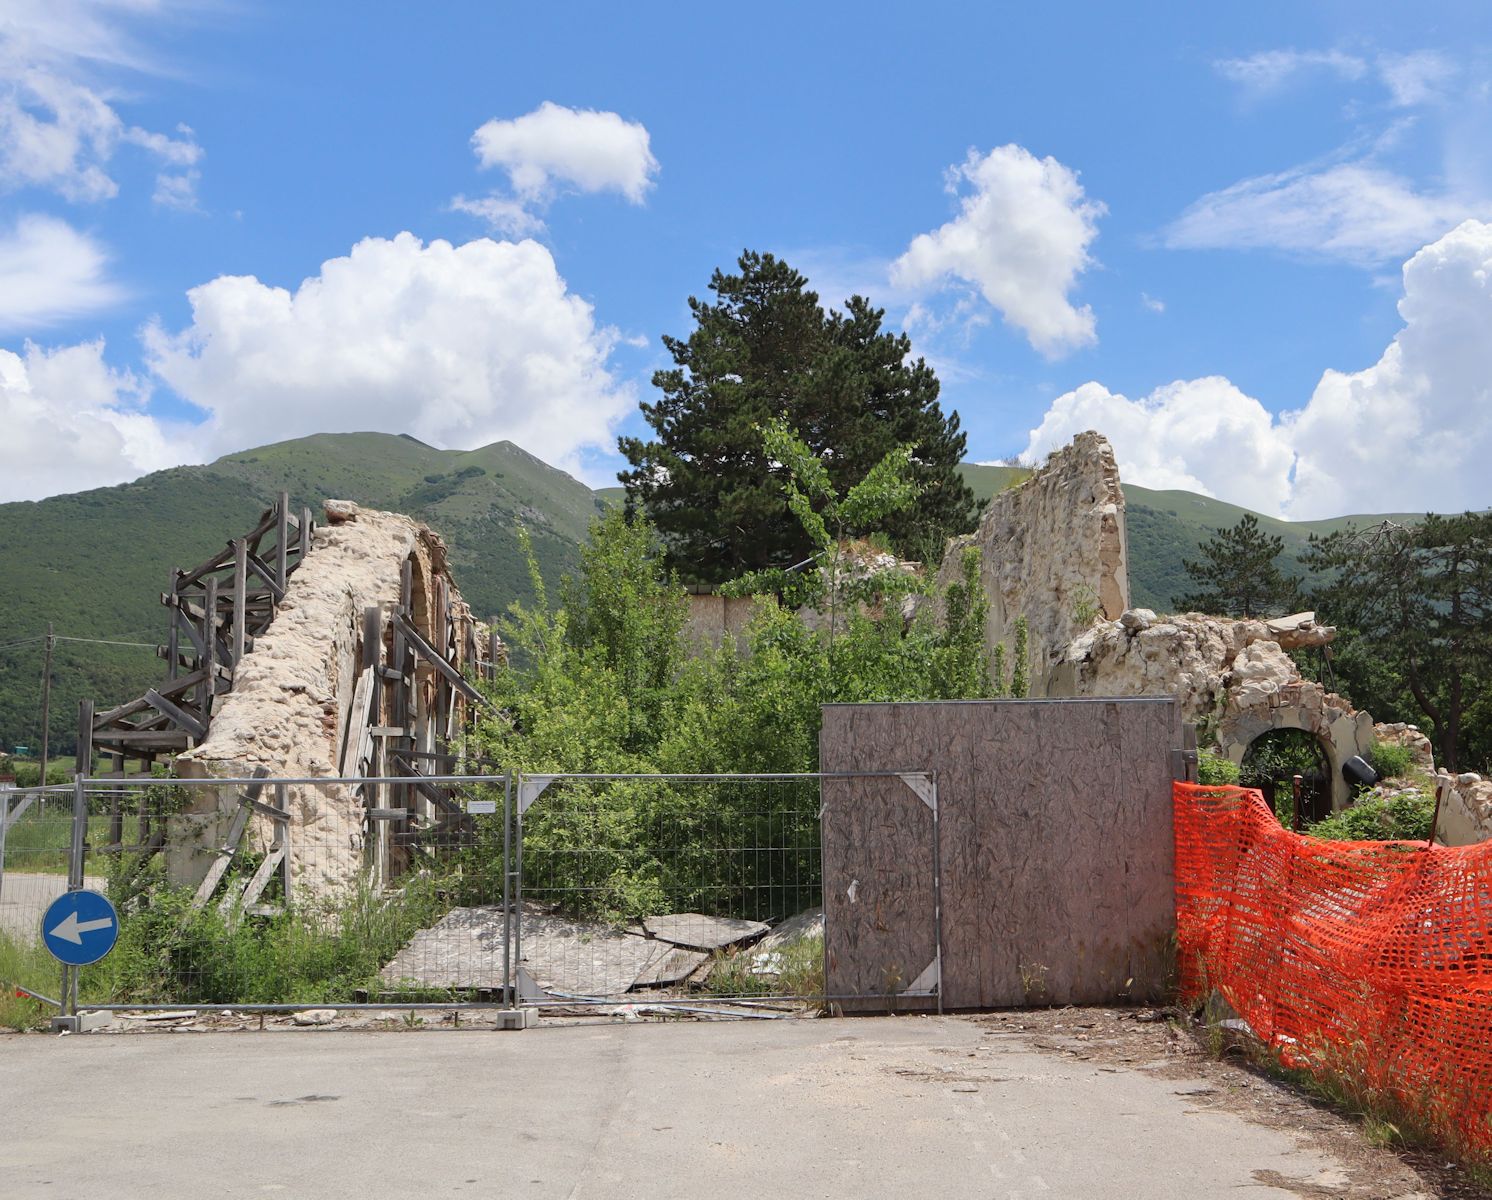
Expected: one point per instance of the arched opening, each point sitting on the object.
(1272, 761)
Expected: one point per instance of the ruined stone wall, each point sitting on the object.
(288, 710)
(1053, 551)
(1233, 679)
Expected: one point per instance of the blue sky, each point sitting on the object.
(1247, 246)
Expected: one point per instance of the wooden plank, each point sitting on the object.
(187, 720)
(209, 641)
(282, 539)
(273, 591)
(306, 528)
(226, 852)
(224, 857)
(237, 645)
(354, 733)
(143, 739)
(262, 876)
(372, 635)
(428, 653)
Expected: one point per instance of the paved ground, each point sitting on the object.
(24, 897)
(911, 1106)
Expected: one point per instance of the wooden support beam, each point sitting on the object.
(262, 877)
(143, 739)
(306, 528)
(187, 720)
(84, 751)
(275, 591)
(210, 647)
(428, 653)
(229, 847)
(282, 539)
(238, 638)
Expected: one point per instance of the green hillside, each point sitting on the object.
(94, 563)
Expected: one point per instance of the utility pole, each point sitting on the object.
(46, 704)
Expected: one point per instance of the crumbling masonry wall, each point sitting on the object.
(290, 708)
(1052, 550)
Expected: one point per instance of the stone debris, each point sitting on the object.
(339, 512)
(315, 1016)
(564, 956)
(699, 932)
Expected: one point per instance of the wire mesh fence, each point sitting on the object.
(493, 889)
(36, 827)
(656, 888)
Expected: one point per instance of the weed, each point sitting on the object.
(795, 968)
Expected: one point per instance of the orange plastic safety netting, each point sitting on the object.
(1371, 960)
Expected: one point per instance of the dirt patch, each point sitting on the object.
(1165, 1043)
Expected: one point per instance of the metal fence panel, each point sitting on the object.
(653, 889)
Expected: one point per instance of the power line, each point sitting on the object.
(106, 642)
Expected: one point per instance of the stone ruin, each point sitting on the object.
(344, 682)
(1053, 551)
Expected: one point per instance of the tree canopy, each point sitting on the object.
(765, 348)
(1413, 607)
(1238, 575)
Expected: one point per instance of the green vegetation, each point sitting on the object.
(95, 563)
(1413, 608)
(1403, 818)
(795, 968)
(1391, 761)
(605, 682)
(1216, 771)
(763, 349)
(1238, 575)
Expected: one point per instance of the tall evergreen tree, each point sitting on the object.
(1238, 575)
(764, 349)
(1413, 607)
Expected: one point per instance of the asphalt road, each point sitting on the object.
(779, 1110)
(24, 897)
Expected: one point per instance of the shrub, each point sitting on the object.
(1389, 760)
(1403, 818)
(1215, 770)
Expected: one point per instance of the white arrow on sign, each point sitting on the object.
(70, 929)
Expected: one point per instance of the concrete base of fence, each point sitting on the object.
(83, 1022)
(517, 1018)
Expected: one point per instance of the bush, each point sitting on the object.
(1216, 771)
(1403, 818)
(1389, 760)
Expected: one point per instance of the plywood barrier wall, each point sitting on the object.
(1055, 842)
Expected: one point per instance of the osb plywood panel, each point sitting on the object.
(1055, 837)
(879, 924)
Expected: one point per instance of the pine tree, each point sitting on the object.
(1238, 574)
(765, 349)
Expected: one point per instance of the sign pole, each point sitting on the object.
(69, 996)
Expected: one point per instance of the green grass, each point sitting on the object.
(798, 971)
(42, 842)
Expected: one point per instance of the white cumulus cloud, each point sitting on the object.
(458, 345)
(73, 423)
(1020, 241)
(555, 149)
(50, 272)
(1411, 432)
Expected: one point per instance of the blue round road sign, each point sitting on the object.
(80, 928)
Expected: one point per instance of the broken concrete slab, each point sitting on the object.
(463, 950)
(699, 932)
(673, 965)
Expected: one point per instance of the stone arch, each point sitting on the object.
(1317, 799)
(1306, 706)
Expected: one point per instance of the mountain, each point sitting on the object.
(94, 563)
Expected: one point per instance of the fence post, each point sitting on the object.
(69, 996)
(509, 996)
